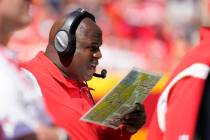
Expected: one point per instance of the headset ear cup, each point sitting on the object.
(65, 39)
(64, 44)
(61, 41)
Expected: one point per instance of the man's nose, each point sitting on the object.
(97, 54)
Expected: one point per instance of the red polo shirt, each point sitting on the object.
(67, 101)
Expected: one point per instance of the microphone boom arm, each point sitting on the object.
(102, 74)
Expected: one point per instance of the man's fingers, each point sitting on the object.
(139, 107)
(134, 115)
(135, 119)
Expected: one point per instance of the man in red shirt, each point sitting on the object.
(70, 60)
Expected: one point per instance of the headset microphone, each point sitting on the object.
(102, 74)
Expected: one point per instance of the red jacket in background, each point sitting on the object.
(67, 102)
(177, 110)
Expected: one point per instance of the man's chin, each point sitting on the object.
(88, 77)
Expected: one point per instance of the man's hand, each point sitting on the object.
(134, 120)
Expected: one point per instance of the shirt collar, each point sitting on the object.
(55, 72)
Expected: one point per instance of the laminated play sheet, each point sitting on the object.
(132, 89)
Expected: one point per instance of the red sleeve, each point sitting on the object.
(154, 132)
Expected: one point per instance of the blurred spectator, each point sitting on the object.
(183, 108)
(22, 112)
(184, 90)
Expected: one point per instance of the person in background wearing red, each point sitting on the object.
(22, 112)
(183, 109)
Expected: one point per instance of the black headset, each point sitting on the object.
(65, 38)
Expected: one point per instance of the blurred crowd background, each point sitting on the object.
(152, 35)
